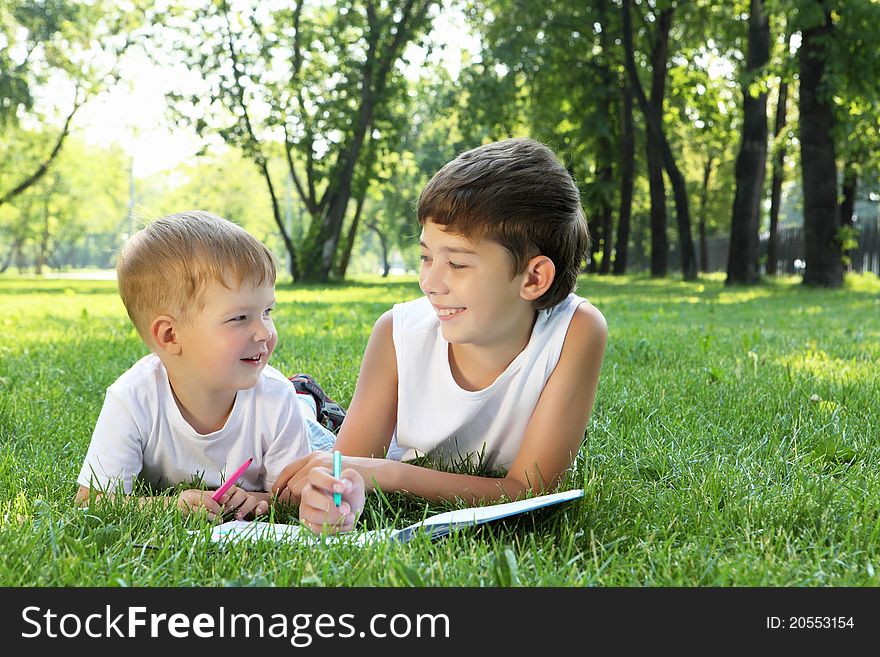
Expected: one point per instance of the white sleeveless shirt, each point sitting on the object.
(436, 417)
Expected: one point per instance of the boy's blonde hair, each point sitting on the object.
(165, 268)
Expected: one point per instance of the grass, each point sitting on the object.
(733, 443)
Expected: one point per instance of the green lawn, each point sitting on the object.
(733, 443)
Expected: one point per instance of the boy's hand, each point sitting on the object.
(316, 508)
(290, 483)
(196, 500)
(235, 499)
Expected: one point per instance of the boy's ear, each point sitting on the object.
(165, 335)
(539, 275)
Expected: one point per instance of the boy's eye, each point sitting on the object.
(268, 311)
(455, 265)
(425, 258)
(239, 318)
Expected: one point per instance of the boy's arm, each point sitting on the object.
(369, 421)
(556, 429)
(372, 414)
(244, 502)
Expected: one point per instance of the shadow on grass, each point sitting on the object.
(772, 300)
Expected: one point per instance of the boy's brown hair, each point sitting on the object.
(516, 193)
(166, 267)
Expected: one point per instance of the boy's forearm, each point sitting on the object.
(435, 485)
(166, 500)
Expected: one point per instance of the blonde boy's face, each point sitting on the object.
(227, 344)
(470, 287)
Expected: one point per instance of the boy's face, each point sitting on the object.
(228, 343)
(469, 284)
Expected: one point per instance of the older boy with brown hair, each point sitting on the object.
(499, 361)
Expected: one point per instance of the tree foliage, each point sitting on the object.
(54, 55)
(313, 83)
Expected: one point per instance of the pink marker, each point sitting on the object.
(229, 482)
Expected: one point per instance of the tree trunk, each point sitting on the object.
(279, 222)
(608, 243)
(43, 246)
(627, 174)
(743, 267)
(605, 148)
(352, 234)
(776, 184)
(655, 127)
(683, 217)
(20, 258)
(704, 202)
(659, 240)
(659, 55)
(848, 203)
(383, 242)
(8, 260)
(595, 226)
(821, 213)
(323, 238)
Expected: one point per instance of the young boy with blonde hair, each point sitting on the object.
(200, 291)
(498, 363)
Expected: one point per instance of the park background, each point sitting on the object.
(727, 158)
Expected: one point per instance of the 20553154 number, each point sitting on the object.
(820, 622)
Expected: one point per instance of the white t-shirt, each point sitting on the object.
(436, 417)
(141, 433)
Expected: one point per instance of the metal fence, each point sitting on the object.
(791, 254)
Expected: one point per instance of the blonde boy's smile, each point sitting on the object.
(258, 359)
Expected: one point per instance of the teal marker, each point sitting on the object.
(337, 470)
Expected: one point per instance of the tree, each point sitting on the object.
(48, 43)
(68, 217)
(429, 138)
(780, 138)
(627, 173)
(308, 82)
(856, 106)
(226, 183)
(751, 163)
(818, 157)
(708, 117)
(552, 72)
(657, 136)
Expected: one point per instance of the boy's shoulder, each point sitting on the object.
(415, 315)
(148, 370)
(589, 318)
(587, 330)
(273, 383)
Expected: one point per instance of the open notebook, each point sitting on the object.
(436, 525)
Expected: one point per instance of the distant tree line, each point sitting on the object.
(701, 111)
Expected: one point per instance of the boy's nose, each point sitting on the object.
(262, 331)
(432, 282)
